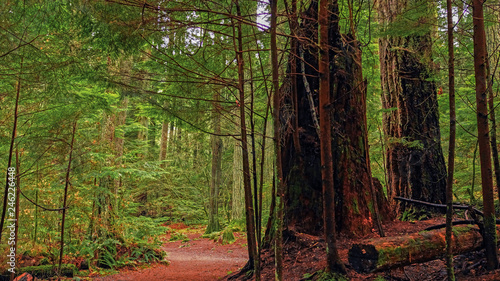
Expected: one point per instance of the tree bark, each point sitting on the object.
(493, 73)
(11, 149)
(277, 144)
(65, 196)
(333, 262)
(237, 195)
(351, 171)
(414, 161)
(451, 148)
(480, 60)
(163, 143)
(391, 252)
(215, 181)
(249, 211)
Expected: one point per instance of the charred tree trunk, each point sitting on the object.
(351, 174)
(301, 168)
(415, 162)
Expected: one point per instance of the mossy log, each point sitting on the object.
(390, 252)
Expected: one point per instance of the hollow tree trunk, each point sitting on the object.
(415, 162)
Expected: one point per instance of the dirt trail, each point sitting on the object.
(200, 259)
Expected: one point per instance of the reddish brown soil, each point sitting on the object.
(199, 259)
(203, 259)
(305, 254)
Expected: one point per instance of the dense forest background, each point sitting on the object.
(120, 116)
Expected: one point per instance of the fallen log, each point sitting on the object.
(441, 206)
(389, 252)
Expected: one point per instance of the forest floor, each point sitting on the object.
(191, 259)
(305, 255)
(203, 259)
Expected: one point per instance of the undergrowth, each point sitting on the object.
(135, 242)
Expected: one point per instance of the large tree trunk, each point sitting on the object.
(302, 172)
(415, 162)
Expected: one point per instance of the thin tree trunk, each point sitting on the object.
(333, 262)
(254, 161)
(451, 149)
(492, 68)
(119, 145)
(213, 211)
(11, 150)
(237, 200)
(16, 228)
(269, 235)
(66, 186)
(491, 109)
(253, 263)
(480, 59)
(163, 143)
(277, 141)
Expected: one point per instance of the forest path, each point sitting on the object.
(199, 259)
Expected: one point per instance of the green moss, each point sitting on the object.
(370, 207)
(356, 207)
(382, 257)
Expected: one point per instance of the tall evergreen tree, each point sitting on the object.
(414, 157)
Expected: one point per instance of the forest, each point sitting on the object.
(249, 139)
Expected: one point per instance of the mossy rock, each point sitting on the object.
(47, 271)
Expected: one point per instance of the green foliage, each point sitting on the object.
(176, 236)
(329, 276)
(417, 19)
(413, 214)
(144, 253)
(225, 236)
